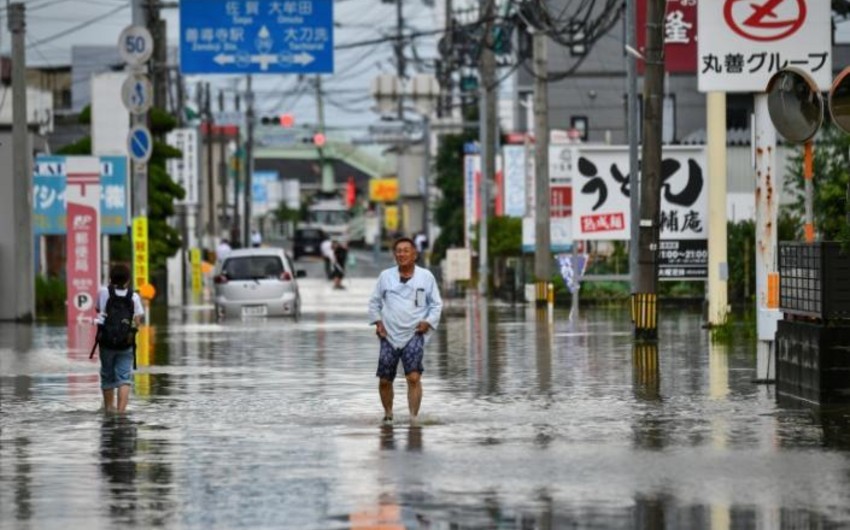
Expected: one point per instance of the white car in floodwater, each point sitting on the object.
(257, 282)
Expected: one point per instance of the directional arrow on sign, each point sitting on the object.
(266, 59)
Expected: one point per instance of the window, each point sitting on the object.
(253, 268)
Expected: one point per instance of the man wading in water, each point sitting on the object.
(405, 308)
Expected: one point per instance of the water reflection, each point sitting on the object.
(118, 445)
(646, 379)
(530, 423)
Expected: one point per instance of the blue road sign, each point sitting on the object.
(257, 36)
(139, 144)
(48, 196)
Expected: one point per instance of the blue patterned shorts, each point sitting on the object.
(410, 355)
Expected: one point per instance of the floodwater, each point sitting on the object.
(526, 423)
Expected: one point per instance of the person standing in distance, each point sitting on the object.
(116, 364)
(222, 250)
(405, 308)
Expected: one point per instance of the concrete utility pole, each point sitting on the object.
(542, 235)
(487, 136)
(249, 159)
(159, 60)
(445, 106)
(632, 120)
(212, 218)
(140, 174)
(328, 182)
(21, 280)
(222, 169)
(644, 300)
(400, 63)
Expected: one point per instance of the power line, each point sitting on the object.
(78, 27)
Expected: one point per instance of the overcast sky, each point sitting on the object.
(348, 102)
(54, 26)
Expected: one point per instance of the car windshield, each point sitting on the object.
(329, 217)
(311, 235)
(252, 267)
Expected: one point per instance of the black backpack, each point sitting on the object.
(117, 331)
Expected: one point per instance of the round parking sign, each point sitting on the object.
(83, 301)
(135, 45)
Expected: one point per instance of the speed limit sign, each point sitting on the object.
(135, 45)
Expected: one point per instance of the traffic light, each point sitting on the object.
(285, 120)
(319, 139)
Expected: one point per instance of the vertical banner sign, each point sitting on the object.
(82, 195)
(195, 259)
(185, 170)
(514, 180)
(602, 209)
(140, 252)
(680, 35)
(471, 197)
(744, 42)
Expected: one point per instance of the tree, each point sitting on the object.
(449, 210)
(831, 177)
(163, 240)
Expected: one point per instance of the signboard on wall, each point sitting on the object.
(602, 211)
(744, 42)
(49, 197)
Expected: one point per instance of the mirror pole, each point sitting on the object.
(808, 163)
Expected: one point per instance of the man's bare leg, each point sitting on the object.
(109, 400)
(385, 388)
(414, 394)
(123, 397)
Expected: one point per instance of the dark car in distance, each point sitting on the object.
(307, 241)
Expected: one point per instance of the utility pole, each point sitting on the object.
(487, 129)
(401, 64)
(445, 107)
(249, 159)
(542, 235)
(23, 277)
(632, 120)
(327, 180)
(401, 67)
(212, 225)
(159, 60)
(222, 168)
(644, 300)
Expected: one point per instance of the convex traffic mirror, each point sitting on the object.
(795, 105)
(839, 100)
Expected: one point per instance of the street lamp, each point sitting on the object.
(423, 94)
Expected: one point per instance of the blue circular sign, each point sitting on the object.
(139, 144)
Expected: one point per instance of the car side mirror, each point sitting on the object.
(300, 273)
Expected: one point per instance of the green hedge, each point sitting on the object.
(50, 294)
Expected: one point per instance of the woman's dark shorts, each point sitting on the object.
(410, 355)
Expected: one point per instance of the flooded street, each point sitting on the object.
(525, 424)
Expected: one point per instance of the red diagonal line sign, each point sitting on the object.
(766, 10)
